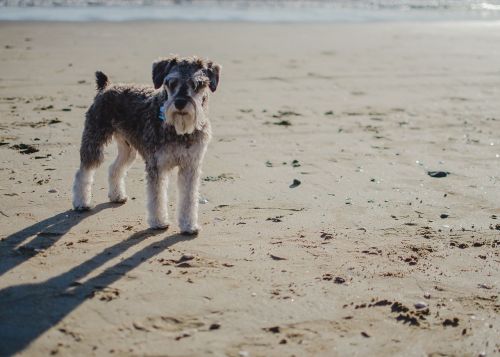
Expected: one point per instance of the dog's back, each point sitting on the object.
(114, 106)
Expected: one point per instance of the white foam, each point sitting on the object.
(251, 11)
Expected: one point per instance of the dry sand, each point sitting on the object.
(334, 266)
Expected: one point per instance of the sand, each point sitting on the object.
(369, 255)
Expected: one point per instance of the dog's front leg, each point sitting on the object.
(188, 183)
(157, 181)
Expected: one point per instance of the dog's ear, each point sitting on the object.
(213, 73)
(161, 67)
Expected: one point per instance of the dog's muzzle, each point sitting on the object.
(180, 103)
(182, 114)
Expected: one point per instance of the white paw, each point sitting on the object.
(156, 223)
(118, 197)
(81, 204)
(82, 208)
(190, 230)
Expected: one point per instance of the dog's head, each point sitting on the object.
(187, 82)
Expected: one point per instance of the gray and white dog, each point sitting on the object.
(168, 125)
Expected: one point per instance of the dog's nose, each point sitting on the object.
(180, 103)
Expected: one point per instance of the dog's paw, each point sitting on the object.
(158, 224)
(190, 232)
(82, 208)
(160, 227)
(117, 197)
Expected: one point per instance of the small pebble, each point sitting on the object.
(485, 286)
(420, 305)
(339, 280)
(53, 190)
(437, 174)
(295, 183)
(427, 295)
(203, 200)
(214, 326)
(185, 258)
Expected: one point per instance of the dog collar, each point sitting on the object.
(161, 114)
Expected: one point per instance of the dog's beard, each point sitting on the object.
(185, 121)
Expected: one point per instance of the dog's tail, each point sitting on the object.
(101, 80)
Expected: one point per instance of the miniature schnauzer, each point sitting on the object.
(167, 125)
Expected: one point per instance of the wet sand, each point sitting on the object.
(368, 255)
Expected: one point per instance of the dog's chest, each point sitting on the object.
(174, 154)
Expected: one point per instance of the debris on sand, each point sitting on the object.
(139, 326)
(275, 257)
(47, 107)
(221, 177)
(485, 286)
(326, 236)
(214, 326)
(420, 305)
(283, 123)
(28, 250)
(25, 149)
(274, 329)
(437, 174)
(339, 280)
(452, 323)
(407, 319)
(295, 183)
(286, 113)
(184, 335)
(336, 280)
(185, 258)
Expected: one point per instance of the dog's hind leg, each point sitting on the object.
(91, 156)
(118, 170)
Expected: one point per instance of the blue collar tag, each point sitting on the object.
(161, 114)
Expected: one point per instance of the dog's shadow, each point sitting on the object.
(29, 310)
(44, 233)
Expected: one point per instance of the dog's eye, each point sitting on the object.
(197, 85)
(194, 84)
(172, 83)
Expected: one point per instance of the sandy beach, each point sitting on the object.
(368, 256)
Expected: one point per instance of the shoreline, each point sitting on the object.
(258, 14)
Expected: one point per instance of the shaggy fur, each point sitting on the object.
(131, 114)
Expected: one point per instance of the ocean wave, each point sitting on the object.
(249, 10)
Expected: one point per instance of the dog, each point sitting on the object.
(166, 124)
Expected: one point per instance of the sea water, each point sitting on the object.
(250, 10)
